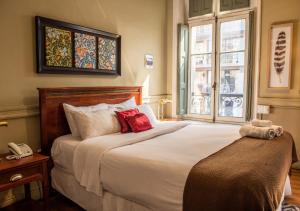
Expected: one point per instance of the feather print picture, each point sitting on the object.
(280, 55)
(280, 50)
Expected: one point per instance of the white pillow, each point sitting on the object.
(147, 110)
(96, 123)
(124, 105)
(69, 109)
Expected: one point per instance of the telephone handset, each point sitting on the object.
(19, 151)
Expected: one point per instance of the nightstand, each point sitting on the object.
(24, 171)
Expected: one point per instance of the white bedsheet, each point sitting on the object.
(62, 152)
(89, 153)
(153, 173)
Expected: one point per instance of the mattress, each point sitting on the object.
(63, 150)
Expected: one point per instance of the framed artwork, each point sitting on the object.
(280, 56)
(85, 51)
(149, 61)
(72, 49)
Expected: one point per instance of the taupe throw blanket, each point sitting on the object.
(247, 175)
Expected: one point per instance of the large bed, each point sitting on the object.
(143, 171)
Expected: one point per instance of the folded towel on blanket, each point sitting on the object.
(261, 123)
(258, 132)
(278, 130)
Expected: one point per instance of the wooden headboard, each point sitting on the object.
(52, 117)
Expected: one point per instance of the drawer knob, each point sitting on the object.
(16, 177)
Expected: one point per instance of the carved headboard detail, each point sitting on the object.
(52, 117)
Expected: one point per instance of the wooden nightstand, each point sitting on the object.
(30, 169)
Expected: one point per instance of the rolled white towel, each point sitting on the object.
(261, 123)
(258, 132)
(278, 130)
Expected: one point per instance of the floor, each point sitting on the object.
(56, 203)
(295, 181)
(60, 203)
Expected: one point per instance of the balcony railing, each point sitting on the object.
(230, 105)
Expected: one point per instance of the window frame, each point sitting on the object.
(203, 21)
(216, 21)
(246, 70)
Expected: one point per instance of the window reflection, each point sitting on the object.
(231, 97)
(201, 69)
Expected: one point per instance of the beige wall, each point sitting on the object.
(285, 104)
(142, 24)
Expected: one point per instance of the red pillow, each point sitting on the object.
(139, 122)
(121, 116)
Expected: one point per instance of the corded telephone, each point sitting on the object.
(19, 151)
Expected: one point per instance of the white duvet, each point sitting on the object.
(88, 155)
(149, 168)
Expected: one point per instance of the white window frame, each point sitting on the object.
(210, 19)
(213, 62)
(246, 71)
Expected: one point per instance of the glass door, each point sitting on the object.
(202, 66)
(232, 59)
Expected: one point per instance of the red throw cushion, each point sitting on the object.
(121, 116)
(139, 122)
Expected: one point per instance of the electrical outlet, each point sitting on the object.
(263, 109)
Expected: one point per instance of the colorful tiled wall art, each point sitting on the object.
(106, 54)
(58, 47)
(67, 48)
(85, 51)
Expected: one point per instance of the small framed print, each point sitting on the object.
(72, 49)
(149, 61)
(107, 54)
(280, 56)
(85, 51)
(58, 44)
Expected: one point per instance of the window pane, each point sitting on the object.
(201, 39)
(201, 84)
(233, 35)
(232, 68)
(232, 59)
(231, 96)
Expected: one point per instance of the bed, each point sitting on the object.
(145, 171)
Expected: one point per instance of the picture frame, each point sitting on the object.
(149, 61)
(65, 48)
(280, 56)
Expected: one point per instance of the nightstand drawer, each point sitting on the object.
(22, 173)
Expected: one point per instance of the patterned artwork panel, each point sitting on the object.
(106, 54)
(85, 51)
(58, 47)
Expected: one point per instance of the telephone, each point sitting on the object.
(19, 151)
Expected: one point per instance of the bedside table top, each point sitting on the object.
(10, 164)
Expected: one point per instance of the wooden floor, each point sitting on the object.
(59, 203)
(295, 182)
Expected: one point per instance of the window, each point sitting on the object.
(219, 68)
(201, 66)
